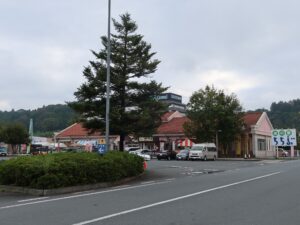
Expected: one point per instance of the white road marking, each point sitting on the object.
(81, 195)
(121, 186)
(173, 199)
(32, 199)
(170, 179)
(148, 182)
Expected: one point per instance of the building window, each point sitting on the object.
(176, 97)
(176, 106)
(262, 145)
(162, 97)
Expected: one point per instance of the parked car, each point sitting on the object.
(142, 151)
(203, 151)
(282, 153)
(183, 155)
(37, 149)
(131, 149)
(3, 151)
(144, 156)
(168, 155)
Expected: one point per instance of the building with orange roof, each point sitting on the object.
(255, 141)
(76, 134)
(170, 133)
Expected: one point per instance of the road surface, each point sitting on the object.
(174, 193)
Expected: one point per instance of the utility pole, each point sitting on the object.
(30, 136)
(108, 81)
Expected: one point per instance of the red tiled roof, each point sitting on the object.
(174, 126)
(252, 118)
(165, 117)
(76, 130)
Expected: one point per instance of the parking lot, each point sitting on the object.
(169, 169)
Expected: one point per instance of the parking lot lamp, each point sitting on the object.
(107, 80)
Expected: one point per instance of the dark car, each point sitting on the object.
(183, 155)
(168, 155)
(3, 151)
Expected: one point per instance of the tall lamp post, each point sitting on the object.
(217, 139)
(107, 80)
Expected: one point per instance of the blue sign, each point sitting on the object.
(102, 148)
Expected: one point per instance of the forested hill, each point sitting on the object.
(285, 114)
(46, 119)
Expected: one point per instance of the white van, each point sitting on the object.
(203, 151)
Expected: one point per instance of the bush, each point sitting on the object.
(69, 169)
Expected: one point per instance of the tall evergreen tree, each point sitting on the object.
(135, 109)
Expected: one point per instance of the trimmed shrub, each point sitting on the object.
(69, 169)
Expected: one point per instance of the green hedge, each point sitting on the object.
(69, 169)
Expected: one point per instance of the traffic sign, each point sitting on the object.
(102, 148)
(284, 137)
(102, 141)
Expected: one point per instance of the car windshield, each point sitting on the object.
(183, 151)
(197, 148)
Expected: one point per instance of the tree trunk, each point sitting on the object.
(121, 145)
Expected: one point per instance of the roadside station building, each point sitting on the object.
(77, 135)
(170, 134)
(254, 141)
(256, 137)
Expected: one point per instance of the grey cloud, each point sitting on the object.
(251, 38)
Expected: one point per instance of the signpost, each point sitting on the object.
(284, 138)
(102, 146)
(102, 149)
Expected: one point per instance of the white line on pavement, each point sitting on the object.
(32, 199)
(81, 195)
(148, 182)
(170, 179)
(173, 199)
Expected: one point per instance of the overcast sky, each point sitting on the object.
(247, 47)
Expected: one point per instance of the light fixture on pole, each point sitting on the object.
(108, 80)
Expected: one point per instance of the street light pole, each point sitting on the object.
(217, 139)
(108, 80)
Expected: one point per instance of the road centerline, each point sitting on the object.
(174, 199)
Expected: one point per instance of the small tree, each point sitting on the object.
(211, 112)
(135, 109)
(15, 134)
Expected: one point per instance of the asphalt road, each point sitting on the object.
(175, 193)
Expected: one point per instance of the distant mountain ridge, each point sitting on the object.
(46, 119)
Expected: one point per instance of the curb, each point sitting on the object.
(64, 190)
(238, 159)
